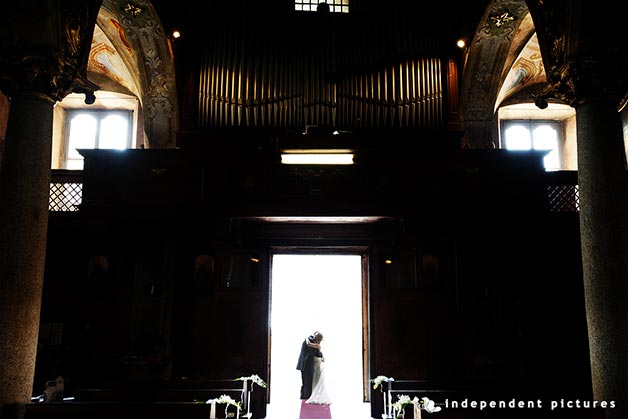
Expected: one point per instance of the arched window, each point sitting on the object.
(525, 127)
(97, 128)
(534, 135)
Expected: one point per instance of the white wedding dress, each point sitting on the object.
(319, 391)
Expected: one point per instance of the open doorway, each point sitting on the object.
(325, 292)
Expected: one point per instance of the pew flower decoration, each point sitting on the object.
(377, 381)
(225, 399)
(398, 407)
(428, 405)
(254, 378)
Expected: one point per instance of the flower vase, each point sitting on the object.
(385, 415)
(237, 414)
(248, 401)
(398, 414)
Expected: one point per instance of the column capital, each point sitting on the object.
(50, 76)
(583, 79)
(44, 48)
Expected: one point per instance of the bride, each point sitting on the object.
(319, 391)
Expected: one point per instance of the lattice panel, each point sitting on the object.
(563, 198)
(65, 197)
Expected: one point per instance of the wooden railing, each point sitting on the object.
(66, 188)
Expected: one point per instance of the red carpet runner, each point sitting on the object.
(314, 411)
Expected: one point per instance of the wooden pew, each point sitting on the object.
(151, 401)
(465, 402)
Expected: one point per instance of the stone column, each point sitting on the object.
(603, 186)
(43, 56)
(584, 52)
(603, 191)
(24, 191)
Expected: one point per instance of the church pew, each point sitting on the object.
(154, 401)
(457, 403)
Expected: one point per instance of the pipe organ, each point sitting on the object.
(326, 75)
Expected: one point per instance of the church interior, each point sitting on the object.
(156, 157)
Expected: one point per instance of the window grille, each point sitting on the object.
(563, 198)
(335, 6)
(65, 197)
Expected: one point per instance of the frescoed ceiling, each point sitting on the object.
(527, 70)
(131, 54)
(105, 60)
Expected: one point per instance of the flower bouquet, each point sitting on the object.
(378, 382)
(254, 378)
(224, 399)
(398, 407)
(246, 391)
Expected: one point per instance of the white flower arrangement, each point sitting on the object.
(254, 378)
(225, 399)
(377, 381)
(399, 406)
(396, 410)
(428, 405)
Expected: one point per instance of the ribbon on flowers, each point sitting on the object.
(212, 410)
(417, 408)
(246, 396)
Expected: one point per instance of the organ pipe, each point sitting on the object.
(251, 80)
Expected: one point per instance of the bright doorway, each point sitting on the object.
(316, 292)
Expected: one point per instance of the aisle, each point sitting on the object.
(314, 411)
(293, 410)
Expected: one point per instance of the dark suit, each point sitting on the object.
(306, 365)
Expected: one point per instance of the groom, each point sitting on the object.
(306, 363)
